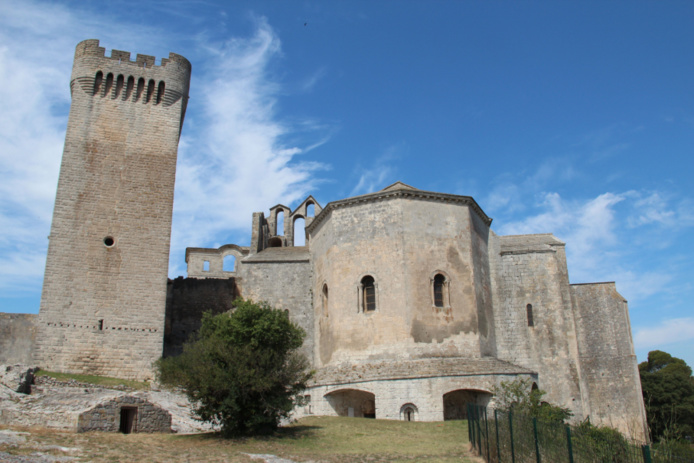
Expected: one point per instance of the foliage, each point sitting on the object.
(668, 393)
(600, 443)
(242, 371)
(518, 396)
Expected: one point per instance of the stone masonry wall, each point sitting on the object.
(187, 299)
(403, 243)
(17, 335)
(285, 285)
(531, 269)
(104, 293)
(608, 364)
(106, 416)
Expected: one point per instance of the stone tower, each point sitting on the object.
(104, 291)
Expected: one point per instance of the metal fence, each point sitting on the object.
(517, 438)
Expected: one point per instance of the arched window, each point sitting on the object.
(229, 263)
(529, 312)
(160, 91)
(310, 209)
(109, 84)
(120, 82)
(97, 82)
(368, 294)
(300, 232)
(129, 88)
(150, 91)
(439, 281)
(140, 88)
(439, 290)
(408, 412)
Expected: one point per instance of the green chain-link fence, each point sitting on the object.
(517, 438)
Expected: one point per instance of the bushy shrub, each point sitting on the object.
(242, 371)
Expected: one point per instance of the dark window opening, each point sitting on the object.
(119, 85)
(534, 387)
(109, 241)
(439, 281)
(97, 82)
(150, 91)
(325, 300)
(368, 293)
(101, 325)
(140, 88)
(129, 88)
(128, 416)
(109, 84)
(275, 242)
(160, 92)
(529, 310)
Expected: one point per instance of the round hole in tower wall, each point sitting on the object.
(109, 241)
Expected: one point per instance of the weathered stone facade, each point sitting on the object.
(413, 307)
(102, 306)
(17, 336)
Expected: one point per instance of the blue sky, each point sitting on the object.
(575, 118)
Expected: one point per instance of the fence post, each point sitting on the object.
(486, 432)
(498, 447)
(537, 444)
(473, 430)
(646, 453)
(568, 442)
(479, 430)
(510, 432)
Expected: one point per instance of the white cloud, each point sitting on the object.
(667, 332)
(237, 163)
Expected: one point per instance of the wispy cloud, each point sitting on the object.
(667, 332)
(237, 162)
(379, 173)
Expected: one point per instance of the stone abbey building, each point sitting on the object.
(412, 305)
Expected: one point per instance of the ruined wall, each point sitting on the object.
(102, 306)
(106, 417)
(531, 269)
(214, 263)
(17, 336)
(187, 299)
(609, 370)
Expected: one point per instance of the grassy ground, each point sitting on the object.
(104, 381)
(315, 439)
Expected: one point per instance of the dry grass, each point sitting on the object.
(104, 381)
(316, 439)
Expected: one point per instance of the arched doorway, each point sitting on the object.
(455, 402)
(353, 403)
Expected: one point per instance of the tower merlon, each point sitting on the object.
(90, 49)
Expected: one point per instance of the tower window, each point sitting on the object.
(368, 294)
(439, 290)
(97, 82)
(529, 312)
(325, 300)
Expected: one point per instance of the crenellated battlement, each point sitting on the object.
(90, 48)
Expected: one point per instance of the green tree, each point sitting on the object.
(668, 393)
(243, 370)
(519, 396)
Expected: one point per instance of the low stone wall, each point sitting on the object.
(107, 416)
(17, 335)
